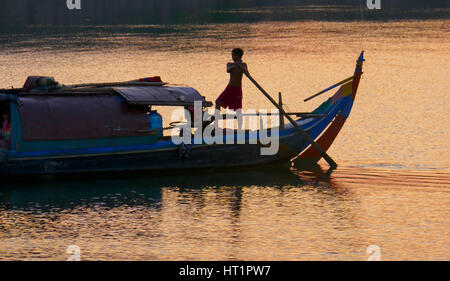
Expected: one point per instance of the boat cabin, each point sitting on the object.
(47, 116)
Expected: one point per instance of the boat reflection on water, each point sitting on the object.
(270, 212)
(139, 188)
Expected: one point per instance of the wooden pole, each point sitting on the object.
(297, 114)
(118, 84)
(280, 102)
(325, 156)
(329, 88)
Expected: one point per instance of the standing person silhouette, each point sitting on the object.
(231, 97)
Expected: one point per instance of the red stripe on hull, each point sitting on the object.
(356, 79)
(324, 141)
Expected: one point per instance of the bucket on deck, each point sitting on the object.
(155, 120)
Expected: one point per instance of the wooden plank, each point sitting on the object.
(329, 88)
(117, 84)
(280, 102)
(298, 114)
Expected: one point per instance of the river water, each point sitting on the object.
(391, 189)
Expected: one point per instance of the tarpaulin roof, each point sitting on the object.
(61, 117)
(167, 95)
(96, 112)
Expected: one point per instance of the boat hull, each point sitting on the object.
(194, 157)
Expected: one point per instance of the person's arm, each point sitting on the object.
(244, 67)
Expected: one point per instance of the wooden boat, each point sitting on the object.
(105, 128)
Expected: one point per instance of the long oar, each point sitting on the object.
(118, 84)
(325, 156)
(329, 88)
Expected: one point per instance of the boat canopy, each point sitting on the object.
(133, 93)
(166, 95)
(68, 117)
(92, 113)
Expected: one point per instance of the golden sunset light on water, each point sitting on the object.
(389, 193)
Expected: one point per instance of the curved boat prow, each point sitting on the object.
(357, 74)
(345, 95)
